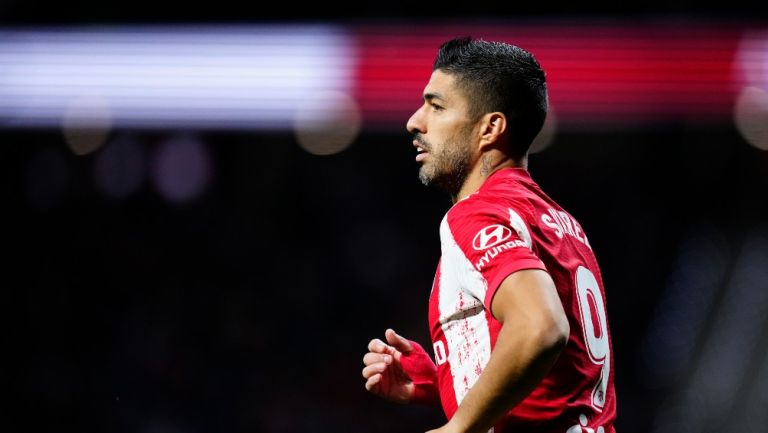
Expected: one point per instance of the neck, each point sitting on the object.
(485, 166)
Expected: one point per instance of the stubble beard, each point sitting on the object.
(448, 168)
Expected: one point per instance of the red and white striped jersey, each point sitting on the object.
(508, 225)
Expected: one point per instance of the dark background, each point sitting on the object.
(249, 308)
(143, 11)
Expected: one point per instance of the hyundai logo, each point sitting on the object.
(490, 236)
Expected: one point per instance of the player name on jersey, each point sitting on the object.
(562, 223)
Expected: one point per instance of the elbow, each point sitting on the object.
(555, 333)
(563, 333)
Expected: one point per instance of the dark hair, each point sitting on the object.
(497, 76)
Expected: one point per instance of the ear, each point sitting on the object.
(492, 127)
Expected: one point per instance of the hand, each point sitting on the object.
(383, 371)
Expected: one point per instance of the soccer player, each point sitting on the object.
(517, 312)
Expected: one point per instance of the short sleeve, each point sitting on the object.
(495, 241)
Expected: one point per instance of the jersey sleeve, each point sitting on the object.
(496, 241)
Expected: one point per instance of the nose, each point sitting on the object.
(416, 123)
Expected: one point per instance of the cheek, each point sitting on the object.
(440, 134)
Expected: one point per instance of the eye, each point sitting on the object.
(436, 107)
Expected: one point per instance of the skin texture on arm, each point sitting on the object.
(534, 331)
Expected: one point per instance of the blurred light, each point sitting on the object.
(230, 77)
(681, 315)
(547, 134)
(751, 116)
(750, 111)
(182, 168)
(752, 59)
(600, 73)
(722, 374)
(327, 123)
(86, 124)
(751, 415)
(120, 167)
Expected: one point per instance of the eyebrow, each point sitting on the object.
(430, 96)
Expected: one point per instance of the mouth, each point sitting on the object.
(421, 152)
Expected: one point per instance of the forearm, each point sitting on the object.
(522, 356)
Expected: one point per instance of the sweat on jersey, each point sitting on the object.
(508, 225)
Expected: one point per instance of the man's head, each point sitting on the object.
(480, 94)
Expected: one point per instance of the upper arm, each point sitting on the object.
(530, 295)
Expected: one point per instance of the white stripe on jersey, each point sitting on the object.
(462, 316)
(517, 223)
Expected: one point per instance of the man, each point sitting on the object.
(517, 313)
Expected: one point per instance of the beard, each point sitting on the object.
(447, 167)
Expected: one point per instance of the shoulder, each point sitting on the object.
(477, 220)
(474, 209)
(505, 205)
(494, 203)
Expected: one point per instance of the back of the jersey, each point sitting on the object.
(579, 389)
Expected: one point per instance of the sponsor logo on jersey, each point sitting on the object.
(495, 251)
(491, 236)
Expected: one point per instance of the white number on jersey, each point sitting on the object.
(440, 355)
(595, 334)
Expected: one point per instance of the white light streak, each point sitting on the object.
(212, 77)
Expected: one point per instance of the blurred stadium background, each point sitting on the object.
(210, 209)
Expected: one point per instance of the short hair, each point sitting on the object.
(496, 76)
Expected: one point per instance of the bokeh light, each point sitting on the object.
(182, 168)
(751, 116)
(86, 124)
(166, 183)
(547, 134)
(327, 123)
